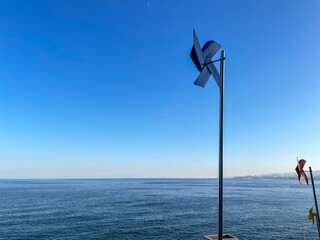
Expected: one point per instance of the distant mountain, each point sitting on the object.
(284, 176)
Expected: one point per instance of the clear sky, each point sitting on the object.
(105, 88)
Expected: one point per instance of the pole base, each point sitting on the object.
(224, 236)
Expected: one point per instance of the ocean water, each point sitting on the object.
(161, 209)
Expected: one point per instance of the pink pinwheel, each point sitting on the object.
(300, 172)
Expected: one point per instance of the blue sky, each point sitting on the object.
(105, 88)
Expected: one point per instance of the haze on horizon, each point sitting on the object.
(105, 88)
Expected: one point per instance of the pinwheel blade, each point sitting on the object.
(197, 48)
(203, 78)
(214, 72)
(209, 49)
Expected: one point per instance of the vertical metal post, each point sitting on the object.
(220, 231)
(315, 202)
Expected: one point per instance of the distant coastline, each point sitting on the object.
(277, 176)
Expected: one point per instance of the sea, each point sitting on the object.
(154, 209)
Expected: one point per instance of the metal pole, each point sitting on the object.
(220, 231)
(315, 202)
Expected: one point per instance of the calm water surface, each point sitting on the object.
(161, 209)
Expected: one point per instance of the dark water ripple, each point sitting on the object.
(161, 209)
